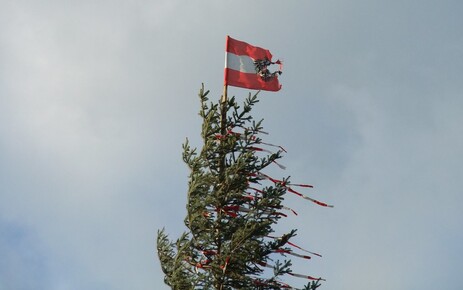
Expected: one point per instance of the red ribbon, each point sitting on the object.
(296, 246)
(309, 198)
(283, 251)
(306, 276)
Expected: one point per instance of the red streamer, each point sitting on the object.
(296, 246)
(306, 276)
(283, 251)
(309, 198)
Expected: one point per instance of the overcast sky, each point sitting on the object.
(96, 98)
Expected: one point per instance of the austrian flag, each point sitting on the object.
(246, 66)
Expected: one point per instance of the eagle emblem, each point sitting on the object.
(262, 70)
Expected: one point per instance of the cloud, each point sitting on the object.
(97, 98)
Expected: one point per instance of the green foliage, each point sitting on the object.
(227, 243)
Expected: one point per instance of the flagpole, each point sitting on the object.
(224, 100)
(222, 166)
(223, 111)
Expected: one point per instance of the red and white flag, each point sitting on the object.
(246, 66)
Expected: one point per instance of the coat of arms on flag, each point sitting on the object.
(247, 66)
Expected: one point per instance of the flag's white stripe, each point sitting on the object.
(241, 63)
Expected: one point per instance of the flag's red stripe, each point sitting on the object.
(242, 48)
(250, 81)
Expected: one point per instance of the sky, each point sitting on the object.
(97, 97)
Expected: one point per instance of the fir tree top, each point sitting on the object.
(231, 208)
